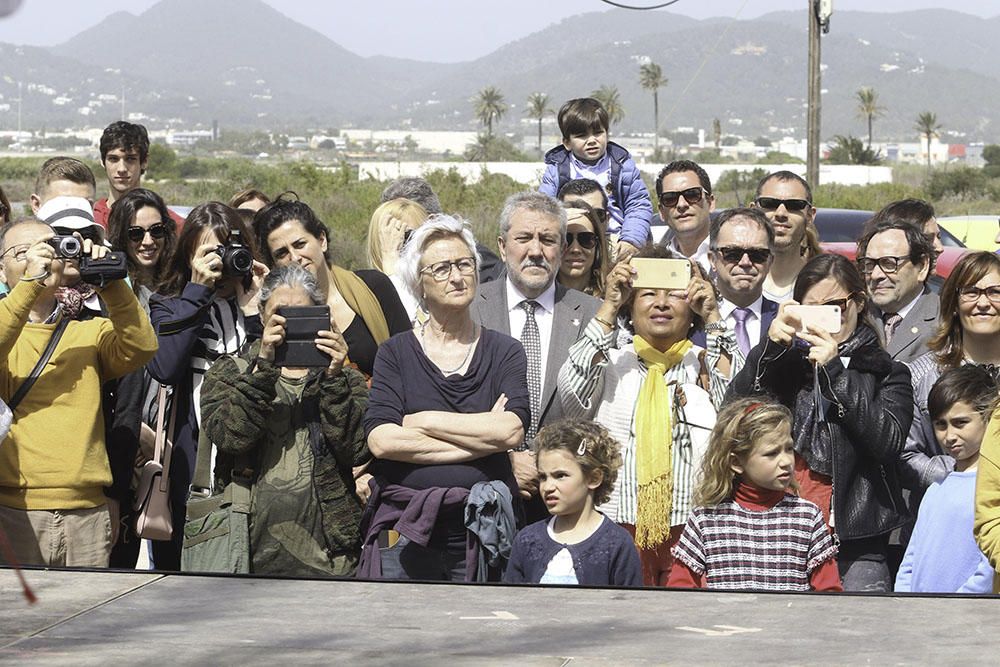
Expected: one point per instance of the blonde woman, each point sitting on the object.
(390, 227)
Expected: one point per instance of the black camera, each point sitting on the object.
(237, 260)
(98, 272)
(66, 246)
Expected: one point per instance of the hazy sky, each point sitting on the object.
(438, 30)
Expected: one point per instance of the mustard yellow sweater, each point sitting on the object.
(54, 455)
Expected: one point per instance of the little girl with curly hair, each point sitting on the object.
(577, 463)
(748, 532)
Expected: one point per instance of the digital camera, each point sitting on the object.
(237, 260)
(66, 246)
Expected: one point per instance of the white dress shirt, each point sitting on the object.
(752, 323)
(543, 317)
(700, 255)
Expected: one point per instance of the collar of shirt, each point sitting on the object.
(700, 255)
(726, 308)
(547, 299)
(905, 310)
(599, 171)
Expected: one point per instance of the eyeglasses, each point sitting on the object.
(20, 252)
(889, 265)
(587, 240)
(971, 293)
(136, 233)
(692, 196)
(440, 271)
(734, 254)
(839, 303)
(88, 232)
(601, 213)
(773, 203)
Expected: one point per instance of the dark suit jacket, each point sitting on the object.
(573, 310)
(768, 311)
(912, 334)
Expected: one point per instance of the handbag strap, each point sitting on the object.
(163, 446)
(42, 361)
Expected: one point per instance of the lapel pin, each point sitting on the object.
(914, 330)
(576, 322)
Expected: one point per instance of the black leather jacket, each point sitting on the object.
(867, 417)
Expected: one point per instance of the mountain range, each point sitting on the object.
(185, 63)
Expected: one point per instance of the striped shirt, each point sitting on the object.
(742, 549)
(223, 333)
(601, 383)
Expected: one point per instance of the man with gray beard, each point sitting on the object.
(529, 305)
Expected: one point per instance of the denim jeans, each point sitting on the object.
(864, 565)
(407, 560)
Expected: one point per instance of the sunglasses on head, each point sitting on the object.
(692, 196)
(734, 255)
(587, 240)
(773, 203)
(136, 234)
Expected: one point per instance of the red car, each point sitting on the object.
(839, 229)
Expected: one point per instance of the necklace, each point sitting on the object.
(468, 351)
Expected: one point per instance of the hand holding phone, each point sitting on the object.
(302, 326)
(661, 273)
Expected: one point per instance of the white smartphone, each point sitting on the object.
(826, 318)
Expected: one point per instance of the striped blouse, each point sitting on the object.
(601, 383)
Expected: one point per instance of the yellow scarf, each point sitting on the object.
(361, 300)
(654, 444)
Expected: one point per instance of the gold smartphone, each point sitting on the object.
(658, 273)
(826, 318)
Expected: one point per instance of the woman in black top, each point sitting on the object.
(364, 304)
(448, 401)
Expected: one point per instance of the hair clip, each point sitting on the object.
(752, 407)
(582, 449)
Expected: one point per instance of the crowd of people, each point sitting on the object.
(537, 414)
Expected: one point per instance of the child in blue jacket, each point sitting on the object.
(586, 153)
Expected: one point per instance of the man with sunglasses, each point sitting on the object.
(684, 193)
(896, 258)
(786, 199)
(741, 242)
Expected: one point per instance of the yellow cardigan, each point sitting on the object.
(54, 456)
(987, 524)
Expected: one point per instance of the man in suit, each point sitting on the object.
(896, 258)
(741, 249)
(526, 303)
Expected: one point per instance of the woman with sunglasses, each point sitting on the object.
(968, 333)
(852, 407)
(448, 400)
(140, 225)
(585, 262)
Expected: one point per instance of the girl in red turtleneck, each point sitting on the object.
(748, 531)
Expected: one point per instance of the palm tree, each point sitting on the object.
(611, 101)
(490, 106)
(928, 126)
(717, 132)
(538, 106)
(651, 78)
(868, 107)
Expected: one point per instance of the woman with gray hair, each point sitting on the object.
(448, 400)
(299, 431)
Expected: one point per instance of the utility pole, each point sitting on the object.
(20, 96)
(819, 19)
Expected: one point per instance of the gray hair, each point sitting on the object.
(290, 275)
(536, 202)
(414, 189)
(436, 228)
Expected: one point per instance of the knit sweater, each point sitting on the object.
(774, 549)
(54, 456)
(606, 558)
(942, 556)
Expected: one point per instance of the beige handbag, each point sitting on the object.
(152, 497)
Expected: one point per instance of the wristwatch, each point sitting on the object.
(716, 326)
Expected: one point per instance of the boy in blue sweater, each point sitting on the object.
(586, 153)
(942, 556)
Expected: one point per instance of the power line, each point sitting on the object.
(622, 6)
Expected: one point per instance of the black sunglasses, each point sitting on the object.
(773, 203)
(692, 196)
(587, 240)
(136, 234)
(734, 254)
(601, 213)
(88, 232)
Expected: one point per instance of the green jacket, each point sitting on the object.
(236, 402)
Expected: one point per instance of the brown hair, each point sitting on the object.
(947, 341)
(740, 426)
(249, 194)
(602, 262)
(63, 169)
(600, 450)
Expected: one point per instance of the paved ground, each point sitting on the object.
(96, 618)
